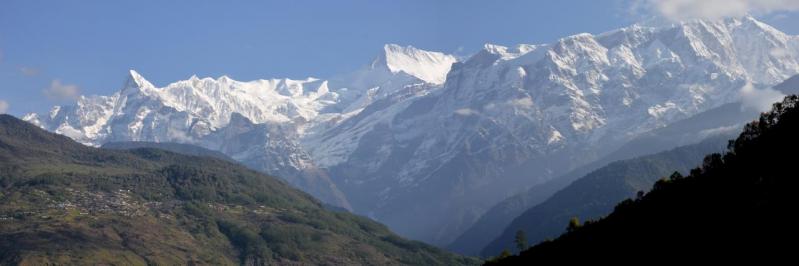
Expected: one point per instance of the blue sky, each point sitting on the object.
(87, 46)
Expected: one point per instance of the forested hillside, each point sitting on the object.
(65, 203)
(735, 205)
(595, 194)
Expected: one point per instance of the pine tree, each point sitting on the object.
(676, 176)
(521, 240)
(574, 223)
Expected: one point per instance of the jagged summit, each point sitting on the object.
(136, 80)
(431, 67)
(509, 52)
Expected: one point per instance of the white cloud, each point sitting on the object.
(61, 92)
(720, 130)
(29, 71)
(4, 107)
(714, 9)
(759, 99)
(779, 17)
(465, 112)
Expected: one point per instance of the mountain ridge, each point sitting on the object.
(388, 143)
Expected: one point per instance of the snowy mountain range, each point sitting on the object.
(260, 123)
(425, 143)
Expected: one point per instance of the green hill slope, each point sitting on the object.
(65, 203)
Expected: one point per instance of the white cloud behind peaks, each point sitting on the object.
(61, 92)
(29, 71)
(4, 107)
(759, 99)
(715, 9)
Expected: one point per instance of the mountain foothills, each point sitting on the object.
(733, 206)
(426, 143)
(714, 126)
(64, 203)
(594, 195)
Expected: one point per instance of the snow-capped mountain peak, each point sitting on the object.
(136, 80)
(431, 67)
(508, 52)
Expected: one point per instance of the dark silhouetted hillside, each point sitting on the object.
(595, 194)
(736, 205)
